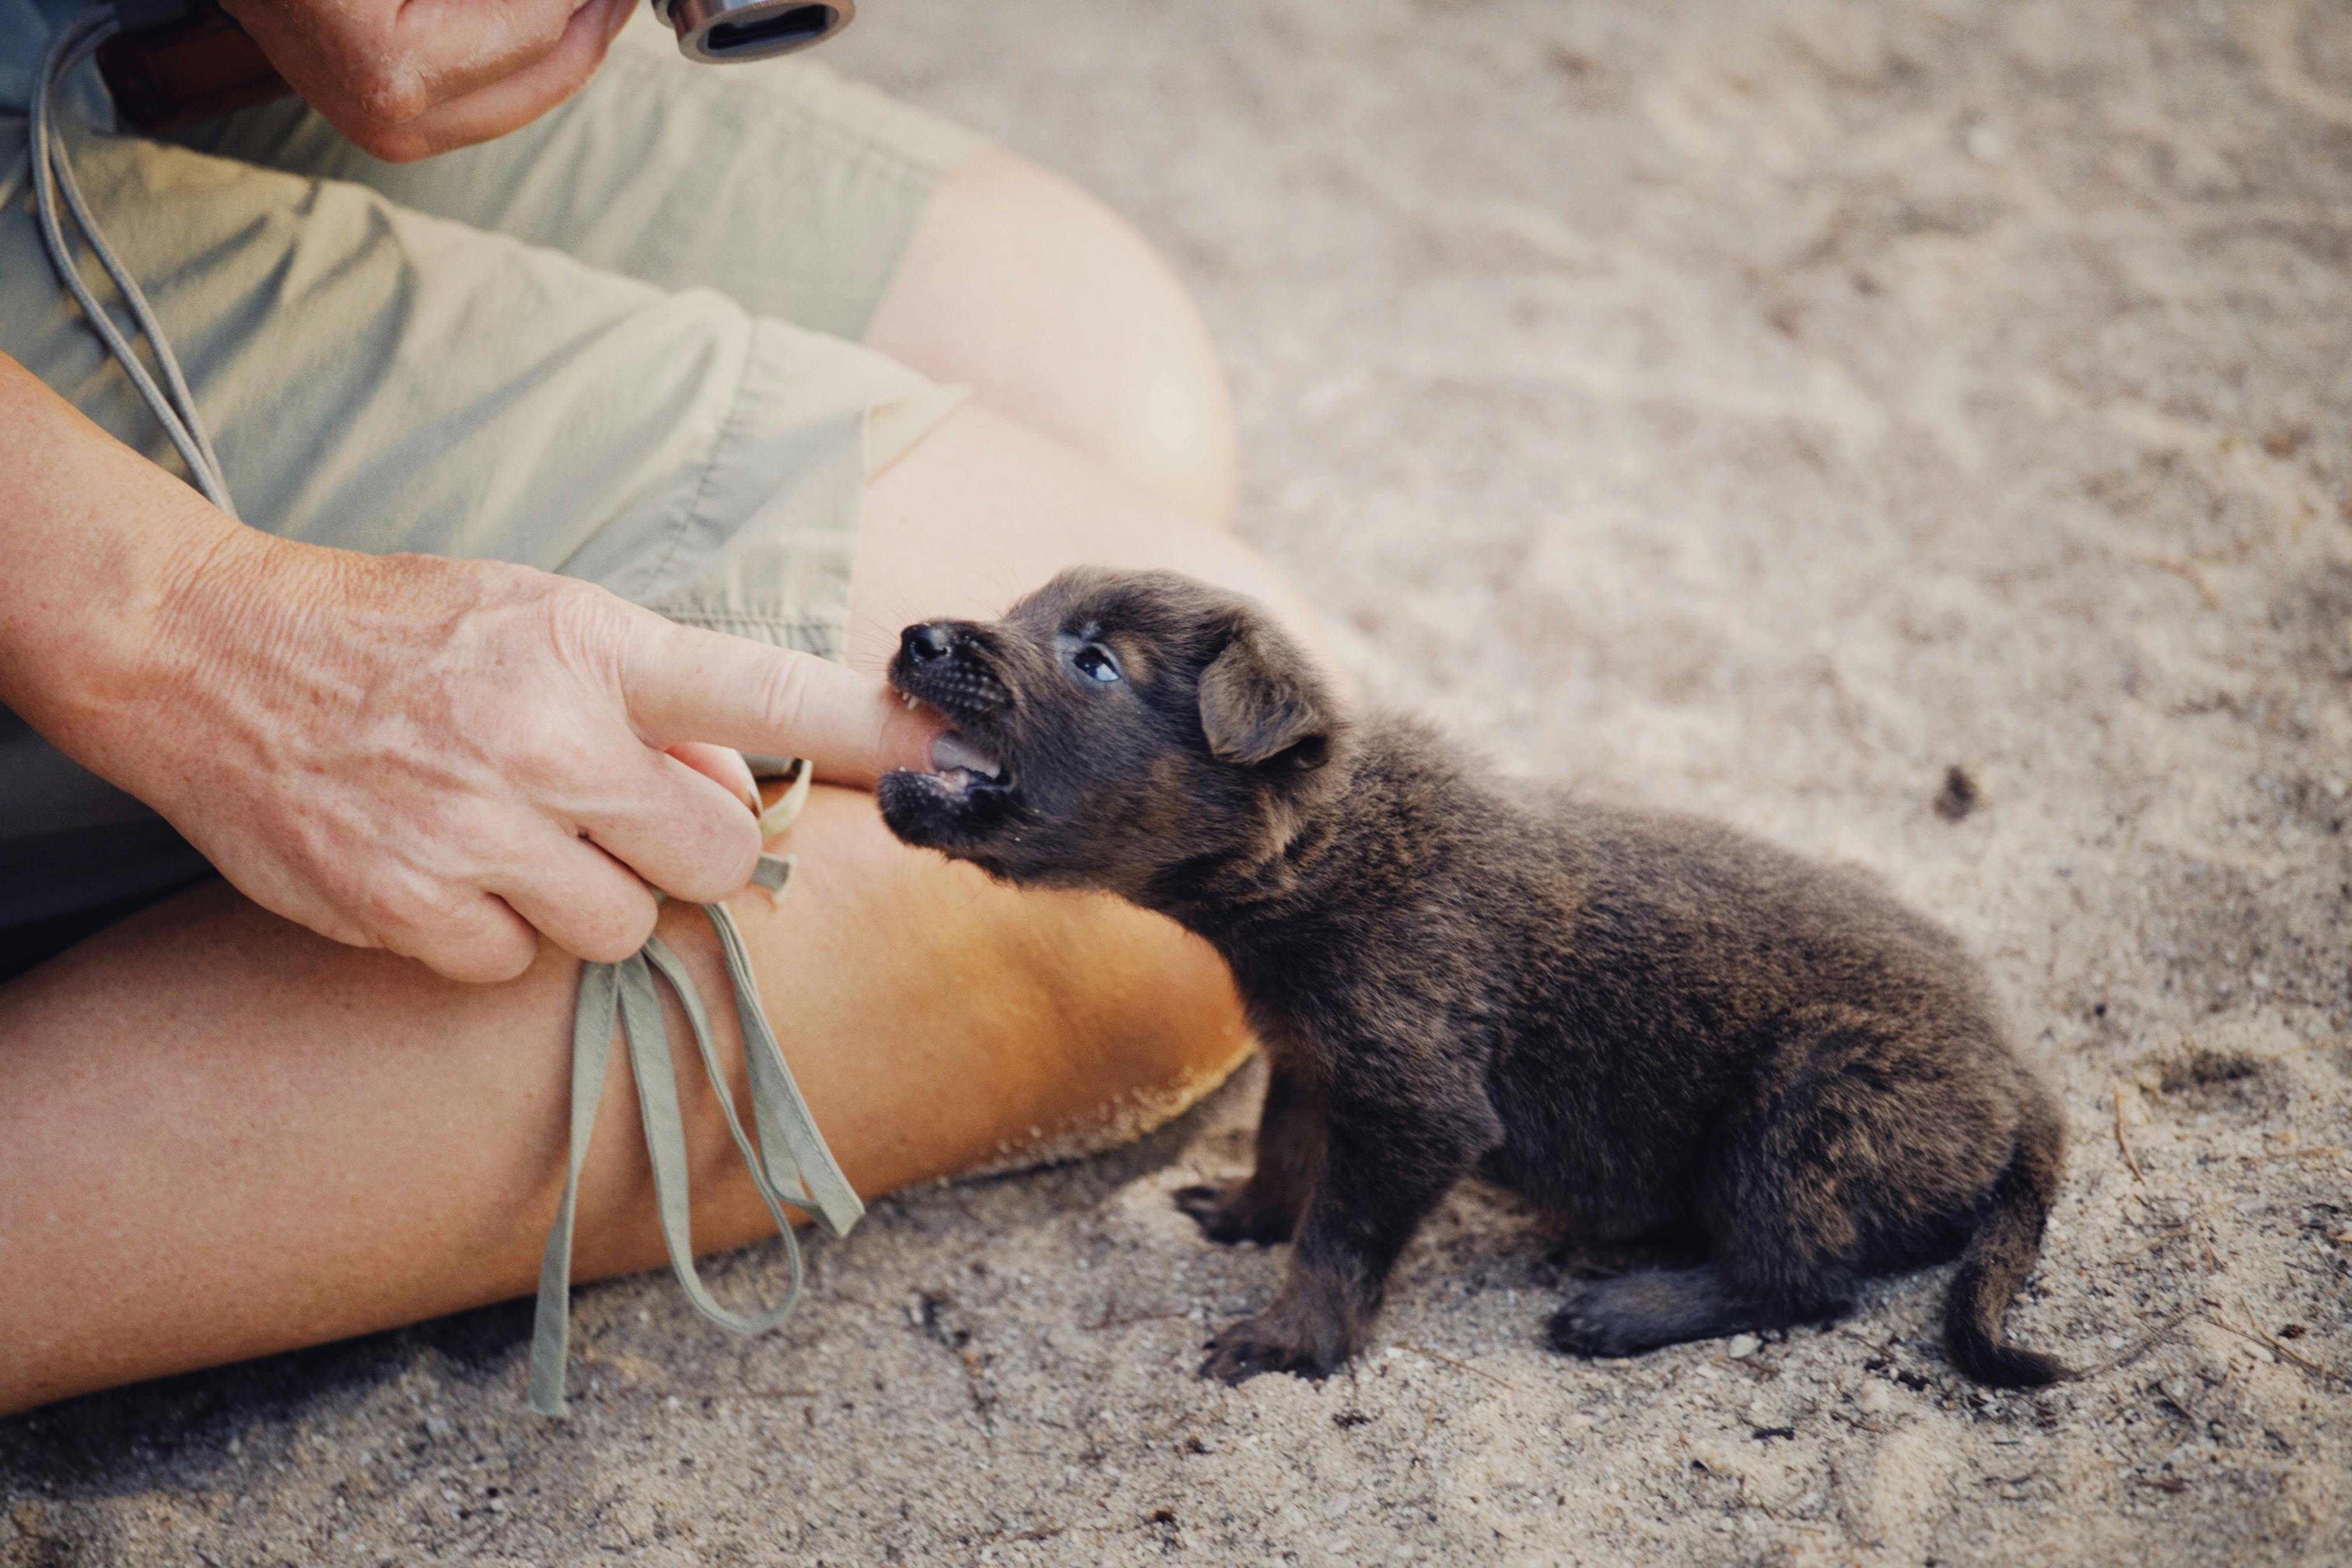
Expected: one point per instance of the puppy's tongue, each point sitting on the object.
(951, 751)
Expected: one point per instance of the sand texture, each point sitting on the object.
(1757, 406)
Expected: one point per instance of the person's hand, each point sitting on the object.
(439, 756)
(407, 79)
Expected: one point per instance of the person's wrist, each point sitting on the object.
(88, 612)
(222, 593)
(170, 621)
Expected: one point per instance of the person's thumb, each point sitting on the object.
(681, 683)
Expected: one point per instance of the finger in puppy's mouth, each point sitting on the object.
(958, 762)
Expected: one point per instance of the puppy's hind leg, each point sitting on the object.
(1801, 1178)
(1635, 1312)
(1655, 1307)
(1265, 1207)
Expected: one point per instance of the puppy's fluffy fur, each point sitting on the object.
(1652, 1025)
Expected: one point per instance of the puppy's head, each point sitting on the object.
(1114, 727)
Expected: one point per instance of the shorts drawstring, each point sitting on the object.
(791, 1167)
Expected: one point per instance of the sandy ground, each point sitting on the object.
(1758, 407)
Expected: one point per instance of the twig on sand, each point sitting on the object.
(1112, 1318)
(2173, 1231)
(2282, 1351)
(2308, 1151)
(1044, 1532)
(2148, 1342)
(2121, 1142)
(761, 1394)
(2309, 1046)
(1464, 1365)
(2190, 572)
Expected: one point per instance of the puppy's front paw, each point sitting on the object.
(1203, 1200)
(1266, 1343)
(1229, 1215)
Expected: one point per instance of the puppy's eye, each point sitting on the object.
(1096, 663)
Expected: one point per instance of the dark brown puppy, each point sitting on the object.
(1649, 1024)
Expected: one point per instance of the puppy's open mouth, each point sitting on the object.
(965, 797)
(959, 766)
(967, 783)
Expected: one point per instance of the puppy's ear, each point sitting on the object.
(1260, 700)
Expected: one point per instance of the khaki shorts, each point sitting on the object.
(620, 344)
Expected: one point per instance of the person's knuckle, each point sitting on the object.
(590, 632)
(363, 895)
(394, 908)
(608, 925)
(578, 611)
(387, 93)
(722, 861)
(618, 928)
(545, 749)
(467, 939)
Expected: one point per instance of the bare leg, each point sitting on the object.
(1060, 317)
(221, 1136)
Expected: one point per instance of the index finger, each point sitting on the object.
(682, 683)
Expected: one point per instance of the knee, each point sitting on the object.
(1055, 311)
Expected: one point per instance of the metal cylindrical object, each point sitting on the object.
(721, 31)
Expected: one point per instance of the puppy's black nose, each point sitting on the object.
(926, 643)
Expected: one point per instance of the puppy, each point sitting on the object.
(1649, 1025)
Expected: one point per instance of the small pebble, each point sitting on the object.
(1874, 1400)
(1743, 1346)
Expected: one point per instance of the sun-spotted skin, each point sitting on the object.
(1658, 1029)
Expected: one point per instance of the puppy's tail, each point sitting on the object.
(2002, 1254)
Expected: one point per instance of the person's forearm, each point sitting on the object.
(98, 543)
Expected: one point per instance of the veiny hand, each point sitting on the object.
(439, 756)
(407, 79)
